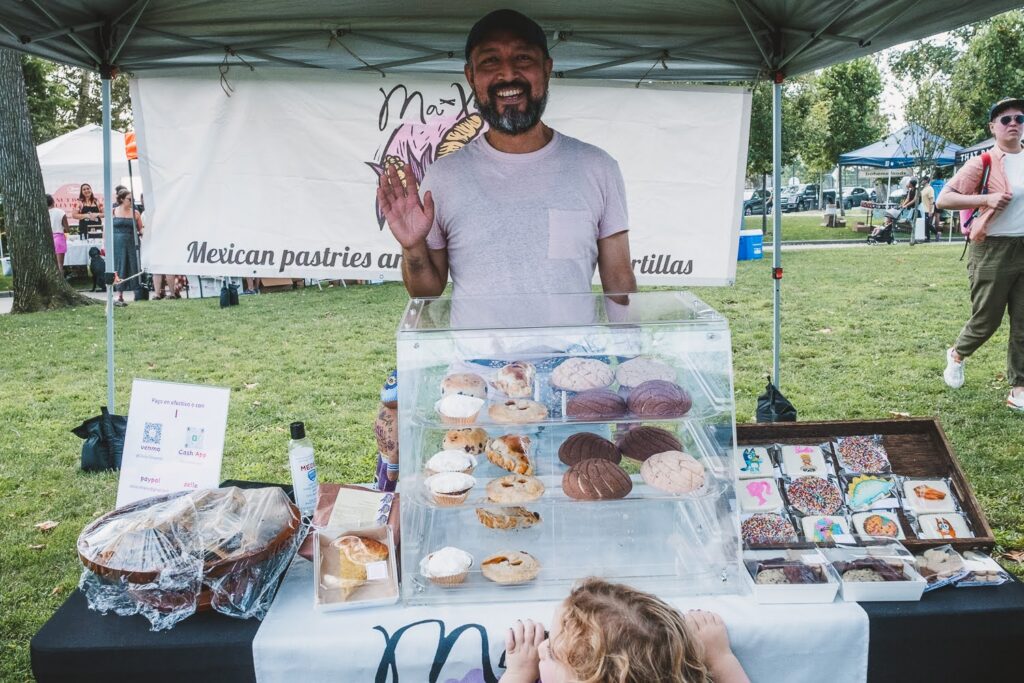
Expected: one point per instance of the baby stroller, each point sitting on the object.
(884, 233)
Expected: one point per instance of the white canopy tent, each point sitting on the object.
(74, 158)
(678, 40)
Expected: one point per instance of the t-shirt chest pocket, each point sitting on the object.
(571, 234)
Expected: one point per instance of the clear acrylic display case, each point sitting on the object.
(670, 544)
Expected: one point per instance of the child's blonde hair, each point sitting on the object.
(616, 634)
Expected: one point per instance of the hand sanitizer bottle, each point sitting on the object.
(300, 460)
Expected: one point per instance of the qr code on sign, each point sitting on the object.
(152, 433)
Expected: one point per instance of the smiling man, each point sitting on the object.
(520, 210)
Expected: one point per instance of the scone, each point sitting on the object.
(465, 383)
(580, 374)
(517, 411)
(511, 452)
(507, 517)
(510, 568)
(515, 488)
(472, 440)
(515, 380)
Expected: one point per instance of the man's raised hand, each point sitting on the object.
(408, 218)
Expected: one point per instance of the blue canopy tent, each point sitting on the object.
(908, 147)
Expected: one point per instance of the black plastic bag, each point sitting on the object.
(772, 406)
(104, 441)
(228, 295)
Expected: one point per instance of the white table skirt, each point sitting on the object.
(455, 644)
(78, 250)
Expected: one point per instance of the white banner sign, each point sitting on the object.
(174, 440)
(279, 178)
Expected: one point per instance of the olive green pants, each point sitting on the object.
(995, 268)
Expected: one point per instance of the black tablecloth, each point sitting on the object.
(968, 634)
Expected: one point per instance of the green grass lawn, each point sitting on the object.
(864, 334)
(806, 225)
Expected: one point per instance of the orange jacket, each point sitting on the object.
(968, 181)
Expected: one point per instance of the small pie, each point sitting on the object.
(517, 411)
(515, 488)
(510, 568)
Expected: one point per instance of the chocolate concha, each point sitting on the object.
(643, 442)
(596, 404)
(596, 479)
(586, 445)
(659, 399)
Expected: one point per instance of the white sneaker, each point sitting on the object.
(954, 372)
(1015, 402)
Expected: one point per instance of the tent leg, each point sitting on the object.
(777, 226)
(108, 231)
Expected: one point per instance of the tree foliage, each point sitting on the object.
(797, 98)
(844, 113)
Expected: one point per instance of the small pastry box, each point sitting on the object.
(884, 569)
(349, 574)
(804, 575)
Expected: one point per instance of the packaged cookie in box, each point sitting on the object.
(803, 461)
(876, 570)
(767, 528)
(929, 495)
(354, 569)
(981, 570)
(789, 575)
(940, 566)
(862, 455)
(870, 492)
(812, 495)
(759, 495)
(753, 462)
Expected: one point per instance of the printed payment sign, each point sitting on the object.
(174, 441)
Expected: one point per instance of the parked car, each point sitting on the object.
(855, 195)
(800, 198)
(754, 202)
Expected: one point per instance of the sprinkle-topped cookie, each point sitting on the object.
(767, 528)
(865, 454)
(814, 496)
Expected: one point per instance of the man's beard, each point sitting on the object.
(512, 121)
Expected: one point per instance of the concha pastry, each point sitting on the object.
(635, 372)
(596, 404)
(511, 452)
(581, 374)
(643, 442)
(596, 479)
(585, 445)
(673, 472)
(659, 399)
(515, 379)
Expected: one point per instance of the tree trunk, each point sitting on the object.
(82, 115)
(38, 284)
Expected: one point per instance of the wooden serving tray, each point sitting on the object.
(917, 448)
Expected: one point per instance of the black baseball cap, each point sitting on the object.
(507, 21)
(1002, 105)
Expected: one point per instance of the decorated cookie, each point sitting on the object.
(802, 461)
(824, 528)
(928, 495)
(944, 525)
(767, 528)
(865, 490)
(862, 454)
(756, 495)
(752, 462)
(814, 495)
(881, 523)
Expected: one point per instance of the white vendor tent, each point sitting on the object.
(74, 158)
(676, 40)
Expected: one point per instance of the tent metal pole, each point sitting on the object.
(777, 227)
(108, 232)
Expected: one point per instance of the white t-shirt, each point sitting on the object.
(56, 220)
(1010, 221)
(522, 224)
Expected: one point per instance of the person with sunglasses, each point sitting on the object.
(995, 267)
